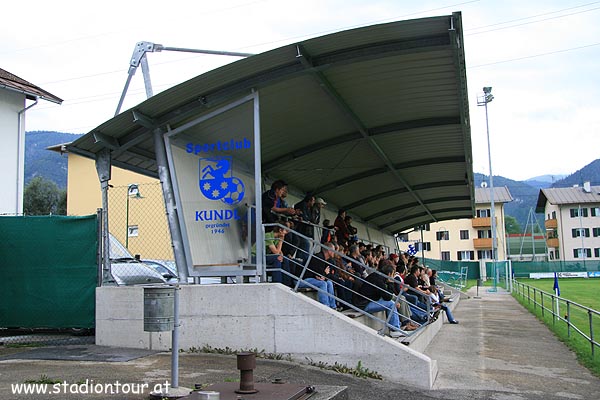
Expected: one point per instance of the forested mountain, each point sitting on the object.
(41, 162)
(590, 172)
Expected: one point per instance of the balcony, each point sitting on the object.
(551, 223)
(482, 243)
(483, 222)
(552, 242)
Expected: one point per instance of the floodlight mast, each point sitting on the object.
(483, 101)
(139, 58)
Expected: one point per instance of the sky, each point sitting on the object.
(541, 58)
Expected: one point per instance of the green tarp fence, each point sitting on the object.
(521, 269)
(454, 266)
(49, 271)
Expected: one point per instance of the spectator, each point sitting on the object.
(305, 212)
(413, 282)
(377, 296)
(273, 203)
(352, 231)
(342, 233)
(316, 273)
(319, 205)
(274, 255)
(328, 232)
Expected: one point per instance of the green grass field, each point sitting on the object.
(585, 292)
(580, 290)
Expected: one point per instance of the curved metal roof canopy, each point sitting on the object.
(375, 120)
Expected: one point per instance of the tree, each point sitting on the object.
(43, 197)
(511, 224)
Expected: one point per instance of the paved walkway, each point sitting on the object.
(502, 348)
(498, 351)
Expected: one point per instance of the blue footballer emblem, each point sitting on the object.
(217, 183)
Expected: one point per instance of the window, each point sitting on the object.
(595, 211)
(551, 255)
(576, 212)
(484, 254)
(482, 234)
(465, 255)
(446, 255)
(597, 252)
(442, 235)
(132, 230)
(596, 232)
(425, 227)
(484, 213)
(553, 214)
(464, 235)
(420, 246)
(582, 253)
(578, 232)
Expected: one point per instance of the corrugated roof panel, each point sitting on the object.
(572, 195)
(501, 195)
(361, 111)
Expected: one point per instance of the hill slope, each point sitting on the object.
(45, 163)
(590, 172)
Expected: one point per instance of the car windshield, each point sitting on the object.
(117, 250)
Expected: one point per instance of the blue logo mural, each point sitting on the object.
(217, 181)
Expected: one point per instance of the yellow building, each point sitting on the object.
(137, 215)
(466, 239)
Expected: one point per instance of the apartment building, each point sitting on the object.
(466, 239)
(572, 221)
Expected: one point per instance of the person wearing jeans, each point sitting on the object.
(376, 295)
(316, 273)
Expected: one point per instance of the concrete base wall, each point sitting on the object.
(267, 317)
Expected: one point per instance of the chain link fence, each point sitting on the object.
(140, 248)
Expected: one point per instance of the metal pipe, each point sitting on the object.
(159, 47)
(591, 331)
(246, 363)
(21, 157)
(175, 340)
(568, 318)
(146, 75)
(260, 233)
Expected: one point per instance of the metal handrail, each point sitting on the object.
(519, 288)
(299, 278)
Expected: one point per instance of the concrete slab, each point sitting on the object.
(80, 353)
(500, 347)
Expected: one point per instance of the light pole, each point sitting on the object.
(133, 190)
(483, 101)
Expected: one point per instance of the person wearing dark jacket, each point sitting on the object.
(376, 295)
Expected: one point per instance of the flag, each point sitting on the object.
(411, 250)
(556, 288)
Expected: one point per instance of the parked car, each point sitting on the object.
(166, 268)
(128, 270)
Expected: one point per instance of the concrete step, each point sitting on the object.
(355, 315)
(417, 340)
